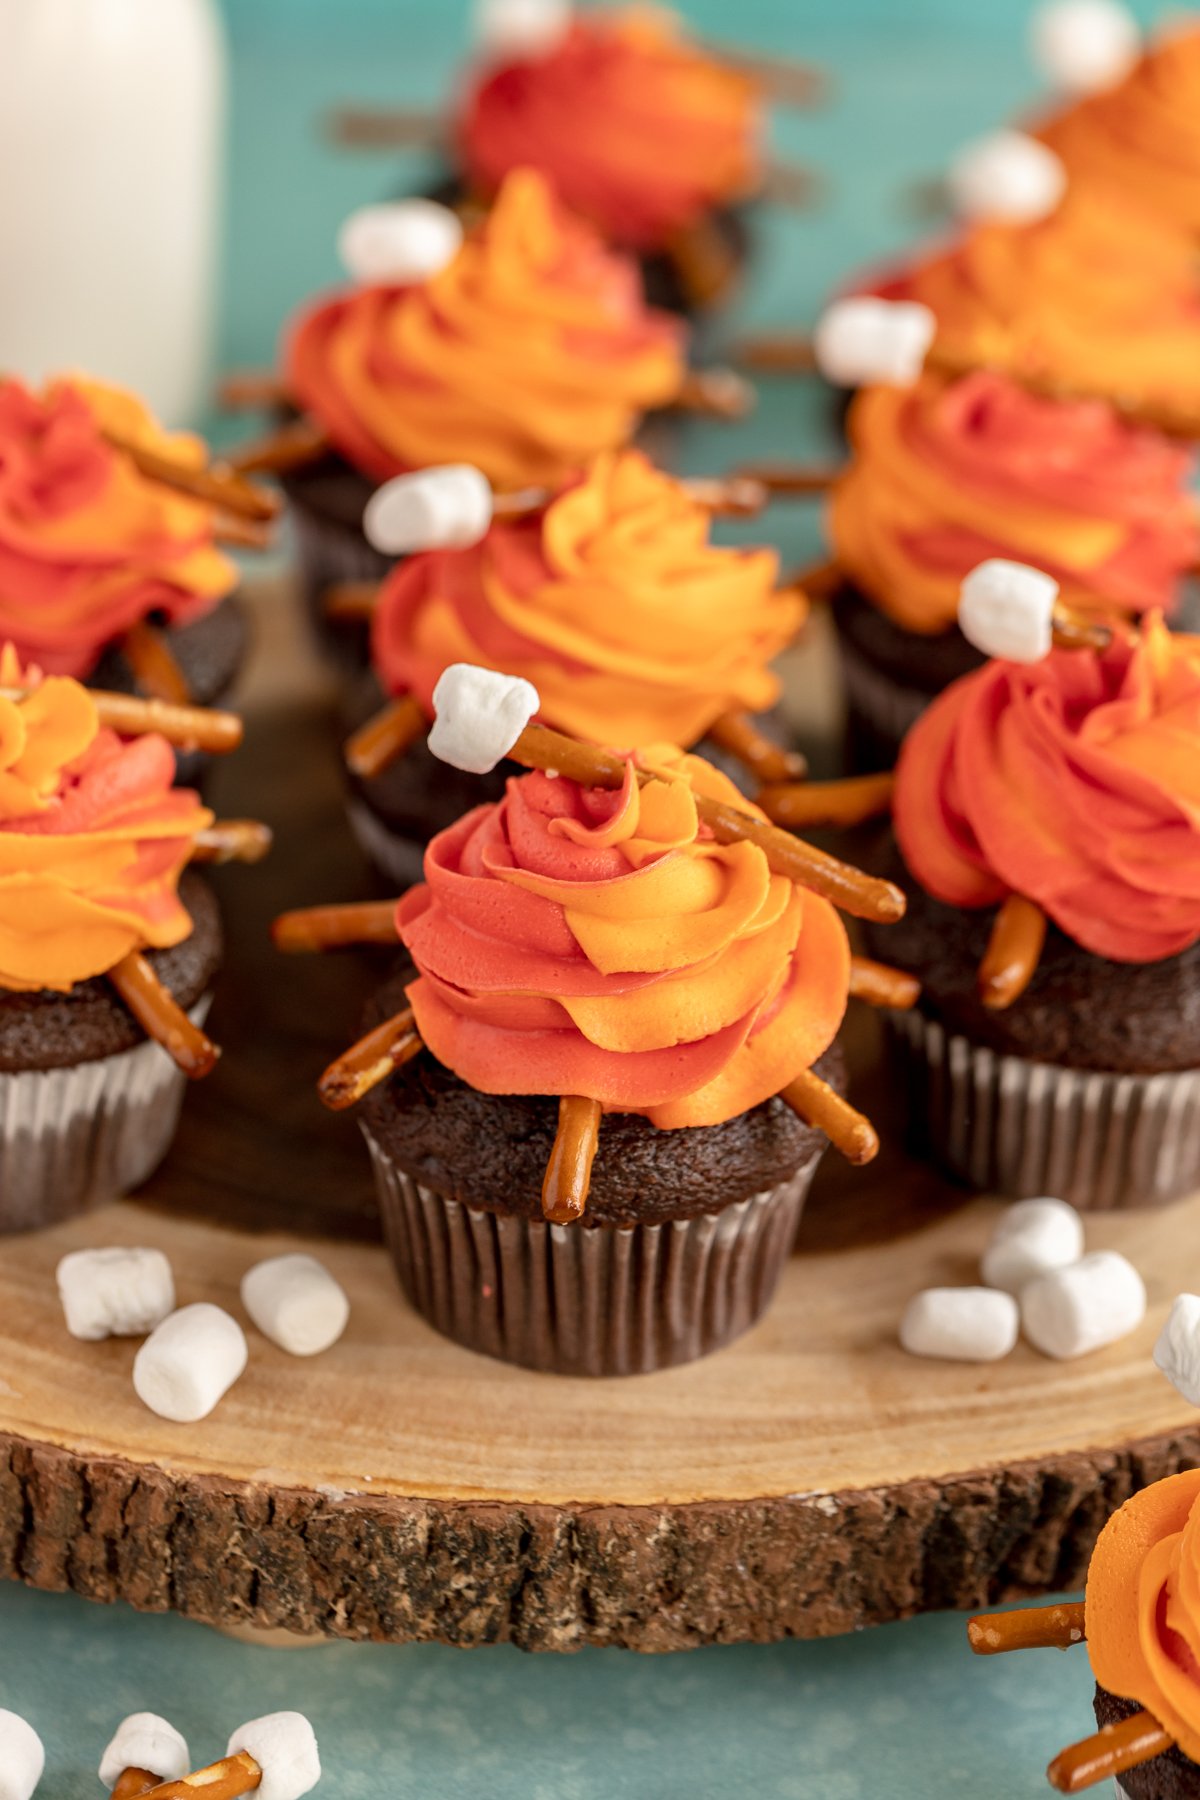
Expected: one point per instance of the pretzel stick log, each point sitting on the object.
(162, 1018)
(777, 353)
(878, 984)
(715, 394)
(1027, 1628)
(384, 128)
(569, 1170)
(786, 480)
(1108, 1753)
(351, 602)
(217, 484)
(783, 79)
(290, 446)
(704, 261)
(820, 581)
(243, 534)
(247, 390)
(232, 840)
(1011, 958)
(187, 727)
(368, 1062)
(738, 735)
(334, 927)
(131, 1783)
(818, 1104)
(224, 1780)
(385, 737)
(152, 660)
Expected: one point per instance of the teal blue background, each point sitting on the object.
(904, 1713)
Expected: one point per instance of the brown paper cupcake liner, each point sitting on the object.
(587, 1300)
(875, 701)
(1020, 1128)
(72, 1138)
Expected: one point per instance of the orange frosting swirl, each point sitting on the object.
(586, 941)
(1075, 782)
(612, 602)
(945, 476)
(1142, 136)
(639, 130)
(1142, 1613)
(93, 837)
(526, 355)
(88, 545)
(1100, 295)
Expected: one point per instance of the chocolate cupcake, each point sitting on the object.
(589, 1157)
(101, 944)
(612, 600)
(1047, 814)
(947, 474)
(528, 353)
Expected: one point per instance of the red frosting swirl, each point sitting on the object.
(588, 941)
(1074, 781)
(639, 131)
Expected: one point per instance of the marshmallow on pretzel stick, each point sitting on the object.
(275, 1756)
(143, 1751)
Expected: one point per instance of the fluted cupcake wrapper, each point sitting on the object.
(1020, 1128)
(73, 1138)
(587, 1300)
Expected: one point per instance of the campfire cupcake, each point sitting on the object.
(608, 596)
(109, 570)
(947, 474)
(527, 353)
(105, 942)
(627, 989)
(1048, 816)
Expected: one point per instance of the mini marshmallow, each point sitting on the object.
(1006, 609)
(1006, 175)
(447, 508)
(189, 1362)
(1032, 1237)
(960, 1324)
(284, 1746)
(479, 716)
(1177, 1352)
(296, 1302)
(1069, 1312)
(1084, 45)
(116, 1292)
(866, 339)
(22, 1757)
(144, 1741)
(403, 241)
(520, 28)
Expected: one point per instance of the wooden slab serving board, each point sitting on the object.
(807, 1481)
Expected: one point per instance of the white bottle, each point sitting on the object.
(111, 129)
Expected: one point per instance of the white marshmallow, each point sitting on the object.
(1006, 609)
(189, 1362)
(284, 1746)
(447, 508)
(480, 714)
(402, 241)
(866, 339)
(960, 1324)
(296, 1302)
(22, 1757)
(144, 1741)
(116, 1292)
(1177, 1352)
(1032, 1237)
(1006, 175)
(520, 28)
(1084, 45)
(1069, 1312)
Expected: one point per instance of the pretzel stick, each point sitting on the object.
(351, 602)
(878, 984)
(790, 479)
(1070, 631)
(153, 662)
(216, 484)
(1027, 1628)
(333, 927)
(130, 1783)
(863, 895)
(818, 1105)
(250, 389)
(1108, 1753)
(232, 840)
(786, 81)
(847, 802)
(569, 1170)
(738, 735)
(243, 534)
(1011, 958)
(290, 446)
(715, 394)
(224, 1780)
(735, 496)
(187, 727)
(704, 261)
(384, 128)
(776, 353)
(371, 1060)
(161, 1017)
(385, 737)
(820, 581)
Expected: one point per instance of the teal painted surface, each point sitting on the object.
(903, 1713)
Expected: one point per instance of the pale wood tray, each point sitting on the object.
(809, 1480)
